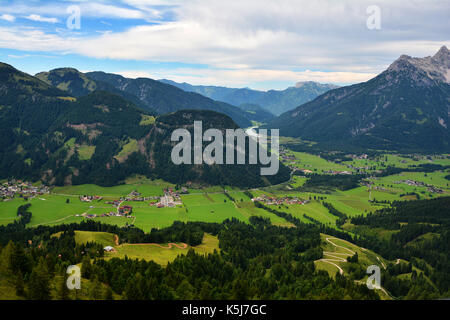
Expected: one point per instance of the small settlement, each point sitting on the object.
(171, 199)
(279, 201)
(430, 188)
(9, 190)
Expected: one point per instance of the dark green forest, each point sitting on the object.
(422, 236)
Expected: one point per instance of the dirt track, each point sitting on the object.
(336, 256)
(169, 245)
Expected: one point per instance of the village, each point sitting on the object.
(268, 200)
(430, 188)
(170, 199)
(9, 190)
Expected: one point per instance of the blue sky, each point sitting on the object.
(262, 44)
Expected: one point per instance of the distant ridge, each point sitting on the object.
(274, 101)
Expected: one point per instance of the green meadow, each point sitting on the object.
(83, 237)
(315, 163)
(162, 255)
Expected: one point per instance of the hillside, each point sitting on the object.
(274, 101)
(160, 145)
(404, 108)
(257, 113)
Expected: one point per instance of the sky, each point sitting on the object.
(260, 44)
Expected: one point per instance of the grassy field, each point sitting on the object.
(398, 161)
(86, 152)
(152, 189)
(52, 209)
(316, 163)
(347, 249)
(313, 209)
(248, 209)
(162, 256)
(127, 149)
(83, 237)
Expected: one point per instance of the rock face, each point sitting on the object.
(406, 107)
(430, 68)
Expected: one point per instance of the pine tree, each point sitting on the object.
(86, 267)
(132, 289)
(205, 292)
(39, 284)
(108, 294)
(63, 292)
(95, 290)
(19, 284)
(185, 291)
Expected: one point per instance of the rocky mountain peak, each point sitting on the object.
(442, 57)
(435, 68)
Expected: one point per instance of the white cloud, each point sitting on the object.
(290, 34)
(257, 40)
(242, 77)
(7, 17)
(92, 9)
(103, 10)
(36, 17)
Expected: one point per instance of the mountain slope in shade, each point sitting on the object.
(164, 98)
(274, 101)
(257, 113)
(406, 107)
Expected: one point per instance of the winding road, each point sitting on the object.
(335, 256)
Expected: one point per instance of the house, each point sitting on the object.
(125, 210)
(108, 249)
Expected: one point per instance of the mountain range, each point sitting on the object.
(274, 101)
(151, 95)
(48, 134)
(406, 107)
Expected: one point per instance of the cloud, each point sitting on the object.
(290, 34)
(102, 10)
(7, 17)
(242, 77)
(259, 40)
(91, 9)
(36, 17)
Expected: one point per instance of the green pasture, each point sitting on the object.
(83, 237)
(162, 256)
(316, 163)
